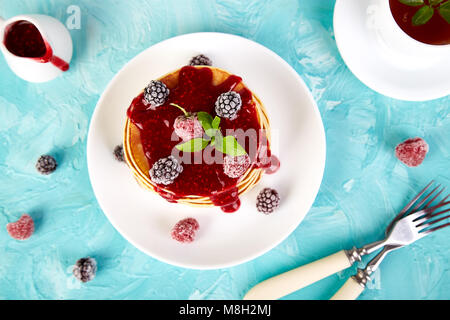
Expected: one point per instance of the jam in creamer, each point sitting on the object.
(23, 39)
(195, 92)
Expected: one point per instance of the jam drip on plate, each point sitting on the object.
(195, 92)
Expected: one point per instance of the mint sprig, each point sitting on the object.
(227, 145)
(444, 11)
(412, 3)
(426, 10)
(423, 15)
(193, 145)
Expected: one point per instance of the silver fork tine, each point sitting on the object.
(435, 197)
(438, 228)
(425, 213)
(426, 218)
(408, 206)
(413, 201)
(417, 207)
(427, 224)
(445, 199)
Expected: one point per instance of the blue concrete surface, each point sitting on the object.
(364, 185)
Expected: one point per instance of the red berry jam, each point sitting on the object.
(195, 92)
(23, 39)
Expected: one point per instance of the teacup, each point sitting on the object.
(56, 56)
(397, 43)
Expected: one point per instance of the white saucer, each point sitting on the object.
(389, 62)
(224, 240)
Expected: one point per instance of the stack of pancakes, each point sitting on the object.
(137, 161)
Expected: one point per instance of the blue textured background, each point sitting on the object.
(363, 186)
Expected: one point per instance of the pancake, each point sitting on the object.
(139, 164)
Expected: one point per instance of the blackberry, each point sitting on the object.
(118, 153)
(200, 60)
(267, 201)
(156, 93)
(165, 170)
(85, 269)
(228, 104)
(46, 164)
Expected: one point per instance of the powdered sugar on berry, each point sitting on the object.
(21, 229)
(185, 230)
(188, 128)
(412, 152)
(234, 167)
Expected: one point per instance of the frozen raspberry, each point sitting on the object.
(228, 104)
(234, 167)
(412, 152)
(21, 229)
(184, 231)
(118, 153)
(46, 164)
(85, 269)
(165, 170)
(267, 201)
(200, 60)
(156, 93)
(188, 127)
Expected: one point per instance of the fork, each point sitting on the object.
(293, 280)
(406, 231)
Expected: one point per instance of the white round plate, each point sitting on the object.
(224, 240)
(385, 65)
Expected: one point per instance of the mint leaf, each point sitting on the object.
(211, 132)
(217, 140)
(229, 145)
(193, 145)
(206, 120)
(444, 11)
(216, 122)
(422, 16)
(435, 2)
(412, 3)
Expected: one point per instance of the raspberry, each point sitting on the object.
(156, 93)
(200, 60)
(234, 167)
(165, 170)
(85, 269)
(188, 128)
(118, 153)
(412, 152)
(21, 229)
(185, 230)
(46, 164)
(267, 201)
(228, 104)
